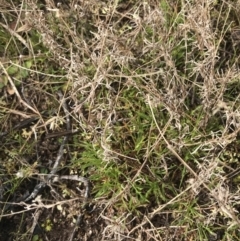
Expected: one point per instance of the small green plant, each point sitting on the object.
(36, 238)
(47, 225)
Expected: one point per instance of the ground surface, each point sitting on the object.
(119, 120)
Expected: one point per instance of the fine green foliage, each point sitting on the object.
(153, 90)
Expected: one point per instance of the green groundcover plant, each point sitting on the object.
(149, 109)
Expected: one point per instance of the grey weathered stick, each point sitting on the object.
(54, 170)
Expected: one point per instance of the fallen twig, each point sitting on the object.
(54, 170)
(16, 91)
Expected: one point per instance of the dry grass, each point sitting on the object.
(153, 87)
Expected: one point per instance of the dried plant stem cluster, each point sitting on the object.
(152, 89)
